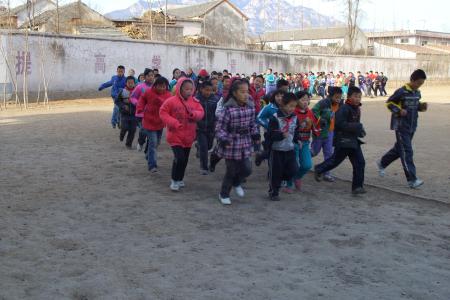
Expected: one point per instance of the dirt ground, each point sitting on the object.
(81, 218)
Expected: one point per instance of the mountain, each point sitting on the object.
(263, 15)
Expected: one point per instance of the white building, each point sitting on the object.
(409, 37)
(333, 37)
(35, 8)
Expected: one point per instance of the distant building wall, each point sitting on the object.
(387, 51)
(75, 66)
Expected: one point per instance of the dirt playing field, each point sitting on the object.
(81, 218)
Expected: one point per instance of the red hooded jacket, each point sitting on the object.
(149, 104)
(257, 96)
(181, 117)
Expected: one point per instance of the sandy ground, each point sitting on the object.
(81, 218)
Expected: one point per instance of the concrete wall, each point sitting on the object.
(75, 66)
(387, 51)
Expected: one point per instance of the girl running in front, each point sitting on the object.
(180, 114)
(283, 134)
(236, 131)
(148, 106)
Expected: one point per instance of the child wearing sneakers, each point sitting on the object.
(405, 106)
(349, 130)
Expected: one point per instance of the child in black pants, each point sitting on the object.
(282, 134)
(348, 130)
(127, 112)
(206, 126)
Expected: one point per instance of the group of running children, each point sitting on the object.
(203, 108)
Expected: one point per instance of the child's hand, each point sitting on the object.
(403, 112)
(423, 106)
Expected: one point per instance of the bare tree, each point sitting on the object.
(353, 12)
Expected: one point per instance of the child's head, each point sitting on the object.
(161, 84)
(176, 73)
(130, 82)
(226, 82)
(215, 84)
(303, 99)
(141, 77)
(277, 97)
(283, 84)
(131, 72)
(259, 81)
(335, 94)
(269, 71)
(354, 95)
(288, 103)
(239, 91)
(120, 71)
(155, 71)
(187, 89)
(206, 89)
(417, 79)
(149, 75)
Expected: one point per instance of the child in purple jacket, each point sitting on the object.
(236, 131)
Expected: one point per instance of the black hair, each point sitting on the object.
(277, 92)
(334, 90)
(213, 73)
(219, 74)
(121, 67)
(158, 75)
(418, 74)
(147, 71)
(155, 70)
(282, 82)
(289, 97)
(260, 76)
(131, 78)
(161, 80)
(225, 71)
(234, 87)
(174, 70)
(205, 84)
(301, 94)
(226, 77)
(353, 90)
(141, 75)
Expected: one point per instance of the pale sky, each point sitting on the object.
(379, 14)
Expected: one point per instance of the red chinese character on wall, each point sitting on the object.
(100, 65)
(23, 62)
(156, 62)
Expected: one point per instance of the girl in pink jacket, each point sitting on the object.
(180, 114)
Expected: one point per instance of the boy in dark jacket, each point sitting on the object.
(206, 126)
(348, 130)
(127, 112)
(405, 106)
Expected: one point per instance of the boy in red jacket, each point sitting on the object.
(257, 91)
(180, 114)
(149, 104)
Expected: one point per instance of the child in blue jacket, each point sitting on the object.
(117, 83)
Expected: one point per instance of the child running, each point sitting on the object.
(306, 121)
(137, 93)
(282, 135)
(127, 112)
(149, 105)
(405, 106)
(236, 131)
(117, 82)
(347, 143)
(324, 111)
(180, 114)
(206, 126)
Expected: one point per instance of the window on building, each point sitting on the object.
(332, 44)
(424, 43)
(404, 41)
(280, 47)
(314, 45)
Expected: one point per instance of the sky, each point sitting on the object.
(378, 14)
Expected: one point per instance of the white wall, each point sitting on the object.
(323, 43)
(190, 28)
(70, 62)
(387, 51)
(39, 8)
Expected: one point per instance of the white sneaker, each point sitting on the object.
(139, 147)
(416, 183)
(239, 191)
(381, 170)
(174, 186)
(181, 184)
(225, 201)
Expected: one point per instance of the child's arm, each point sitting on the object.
(135, 95)
(273, 131)
(394, 102)
(222, 134)
(263, 117)
(342, 123)
(168, 120)
(142, 102)
(106, 84)
(197, 112)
